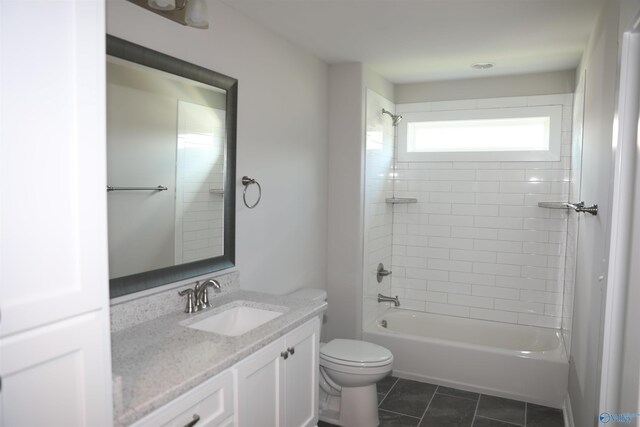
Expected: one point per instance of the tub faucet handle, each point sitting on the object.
(382, 273)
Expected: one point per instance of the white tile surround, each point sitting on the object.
(476, 244)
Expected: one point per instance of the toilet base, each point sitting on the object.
(355, 407)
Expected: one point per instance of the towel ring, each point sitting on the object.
(246, 181)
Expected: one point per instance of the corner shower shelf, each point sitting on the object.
(400, 200)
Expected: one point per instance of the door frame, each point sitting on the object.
(624, 219)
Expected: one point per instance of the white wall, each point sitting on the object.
(346, 213)
(487, 87)
(282, 136)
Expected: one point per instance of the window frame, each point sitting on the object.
(554, 112)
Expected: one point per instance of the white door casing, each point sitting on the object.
(621, 348)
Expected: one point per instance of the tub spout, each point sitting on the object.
(384, 298)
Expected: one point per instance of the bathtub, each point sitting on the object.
(514, 361)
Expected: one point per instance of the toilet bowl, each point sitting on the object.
(349, 371)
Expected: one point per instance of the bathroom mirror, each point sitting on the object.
(171, 148)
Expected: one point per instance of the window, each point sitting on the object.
(504, 134)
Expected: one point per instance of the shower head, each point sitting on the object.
(395, 118)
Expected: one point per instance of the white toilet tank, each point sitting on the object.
(313, 294)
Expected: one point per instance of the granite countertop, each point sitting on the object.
(156, 361)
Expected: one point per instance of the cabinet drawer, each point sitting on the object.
(211, 401)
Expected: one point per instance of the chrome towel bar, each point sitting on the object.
(578, 207)
(158, 188)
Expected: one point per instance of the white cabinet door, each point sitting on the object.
(55, 376)
(301, 376)
(54, 289)
(259, 384)
(278, 385)
(53, 250)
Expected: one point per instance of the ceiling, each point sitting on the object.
(410, 41)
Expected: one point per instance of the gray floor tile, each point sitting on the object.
(498, 408)
(449, 411)
(486, 422)
(389, 419)
(323, 424)
(408, 397)
(385, 384)
(381, 397)
(543, 416)
(458, 393)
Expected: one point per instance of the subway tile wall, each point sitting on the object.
(476, 244)
(378, 214)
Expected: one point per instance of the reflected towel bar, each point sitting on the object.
(158, 188)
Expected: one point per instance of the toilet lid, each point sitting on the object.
(353, 352)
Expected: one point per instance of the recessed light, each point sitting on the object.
(482, 65)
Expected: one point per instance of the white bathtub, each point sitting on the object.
(514, 361)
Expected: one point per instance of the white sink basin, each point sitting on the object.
(235, 320)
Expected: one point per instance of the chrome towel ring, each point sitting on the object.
(246, 181)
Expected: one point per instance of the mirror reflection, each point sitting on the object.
(163, 130)
(168, 158)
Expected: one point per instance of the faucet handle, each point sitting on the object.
(190, 308)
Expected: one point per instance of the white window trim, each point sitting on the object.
(555, 134)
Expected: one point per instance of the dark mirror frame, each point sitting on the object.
(141, 55)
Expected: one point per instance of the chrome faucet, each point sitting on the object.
(384, 298)
(202, 294)
(198, 298)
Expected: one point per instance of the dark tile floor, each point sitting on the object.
(407, 403)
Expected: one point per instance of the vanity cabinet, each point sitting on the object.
(278, 385)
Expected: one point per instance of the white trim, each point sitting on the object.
(555, 134)
(622, 219)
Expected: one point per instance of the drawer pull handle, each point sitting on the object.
(284, 354)
(193, 422)
(291, 350)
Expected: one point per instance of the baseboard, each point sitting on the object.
(568, 413)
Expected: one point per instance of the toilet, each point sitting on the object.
(349, 371)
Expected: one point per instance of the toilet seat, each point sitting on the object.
(353, 353)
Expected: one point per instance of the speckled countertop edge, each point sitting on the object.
(156, 361)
